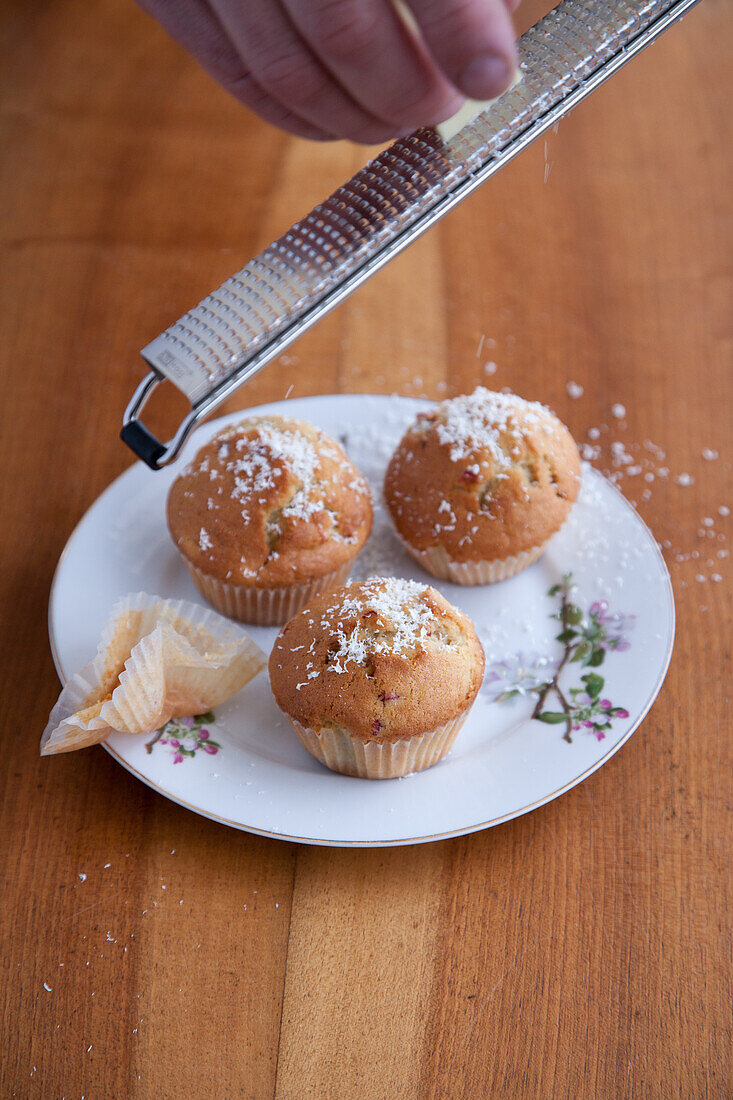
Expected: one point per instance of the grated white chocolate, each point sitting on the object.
(487, 420)
(403, 620)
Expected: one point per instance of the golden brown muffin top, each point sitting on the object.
(270, 502)
(385, 659)
(485, 475)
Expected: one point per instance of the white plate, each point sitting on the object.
(504, 762)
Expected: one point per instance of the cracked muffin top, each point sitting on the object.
(385, 659)
(485, 476)
(270, 502)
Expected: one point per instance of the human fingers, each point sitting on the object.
(195, 27)
(284, 64)
(374, 56)
(472, 42)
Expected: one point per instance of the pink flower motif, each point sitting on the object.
(164, 740)
(606, 704)
(203, 734)
(588, 725)
(178, 759)
(600, 735)
(187, 722)
(621, 713)
(622, 645)
(211, 749)
(174, 744)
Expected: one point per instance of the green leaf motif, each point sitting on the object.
(593, 683)
(204, 719)
(573, 614)
(596, 658)
(552, 717)
(581, 651)
(505, 695)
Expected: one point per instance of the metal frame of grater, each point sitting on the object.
(239, 328)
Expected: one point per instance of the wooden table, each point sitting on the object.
(580, 951)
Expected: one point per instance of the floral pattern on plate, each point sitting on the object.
(185, 737)
(586, 636)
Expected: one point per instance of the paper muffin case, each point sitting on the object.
(264, 606)
(435, 560)
(344, 752)
(157, 659)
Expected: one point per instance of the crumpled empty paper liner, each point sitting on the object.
(157, 659)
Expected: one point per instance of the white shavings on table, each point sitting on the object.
(82, 877)
(47, 987)
(575, 390)
(619, 460)
(619, 411)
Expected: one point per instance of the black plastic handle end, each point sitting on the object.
(143, 443)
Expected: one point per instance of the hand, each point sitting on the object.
(356, 69)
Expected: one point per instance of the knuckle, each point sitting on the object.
(341, 28)
(290, 76)
(449, 19)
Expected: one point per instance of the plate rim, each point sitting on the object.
(399, 841)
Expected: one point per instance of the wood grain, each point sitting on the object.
(581, 951)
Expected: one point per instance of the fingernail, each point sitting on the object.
(486, 77)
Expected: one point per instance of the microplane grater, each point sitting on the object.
(249, 320)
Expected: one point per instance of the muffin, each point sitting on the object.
(479, 485)
(378, 677)
(269, 513)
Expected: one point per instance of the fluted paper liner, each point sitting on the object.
(157, 659)
(264, 606)
(435, 560)
(348, 754)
